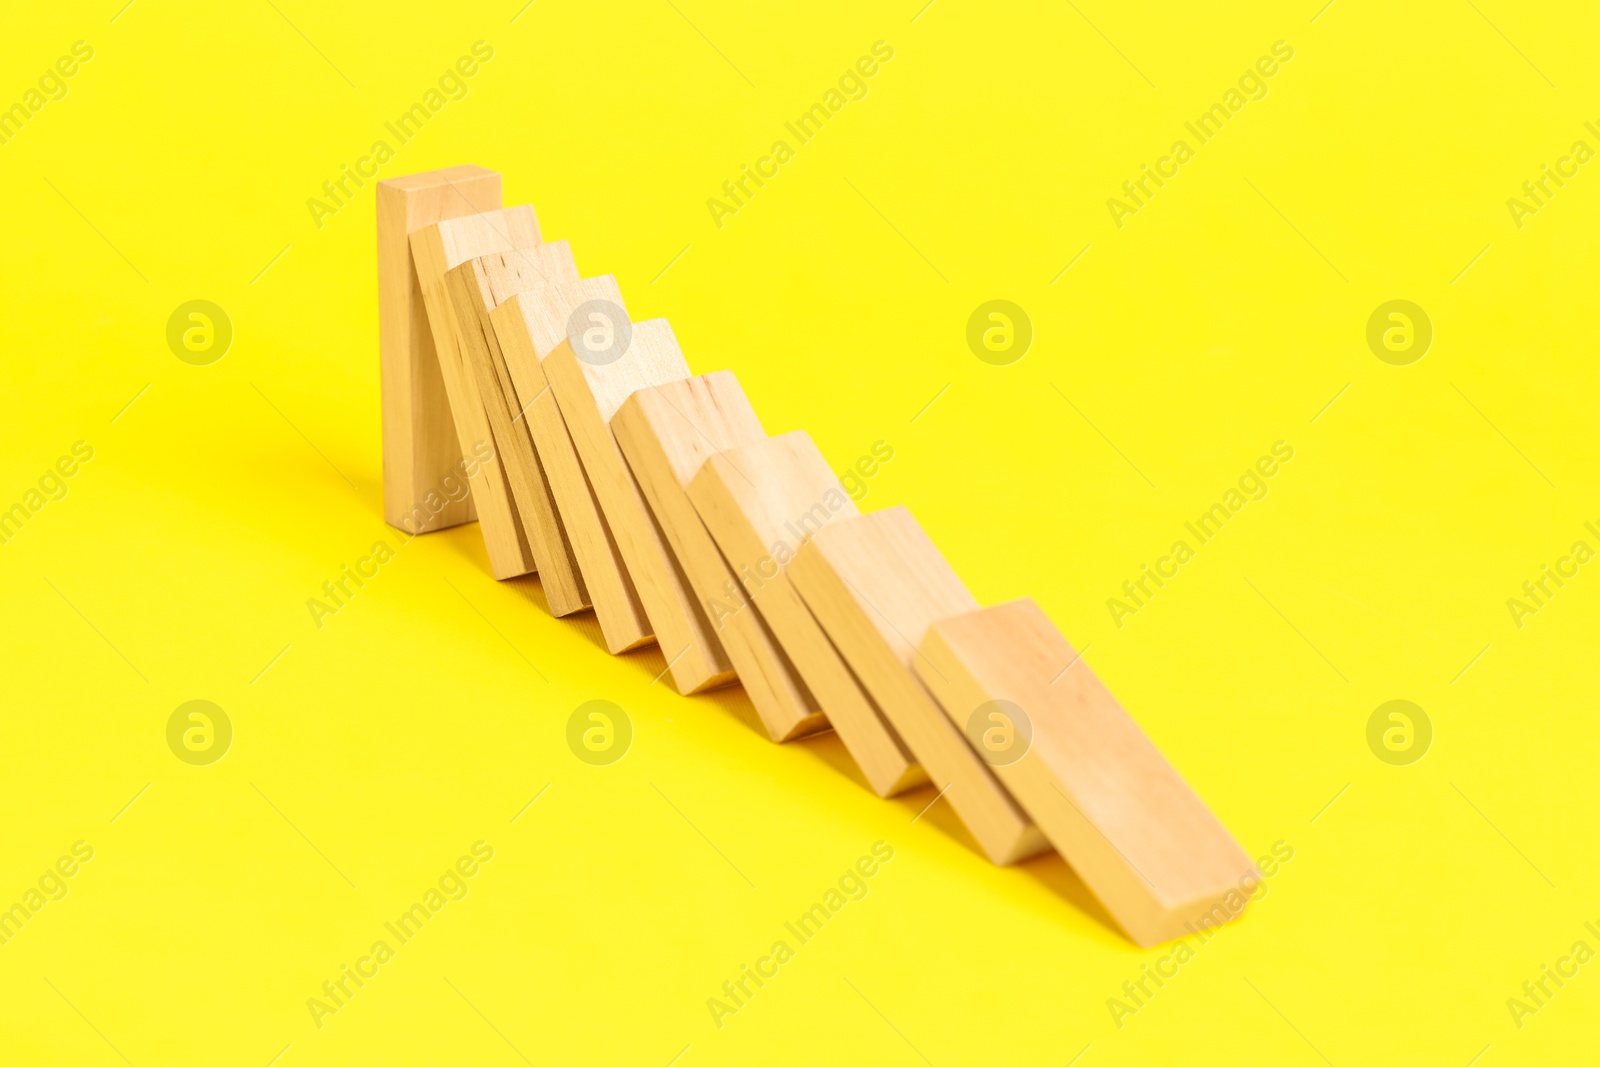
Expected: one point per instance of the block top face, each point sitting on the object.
(893, 570)
(547, 311)
(501, 275)
(695, 418)
(648, 356)
(1096, 754)
(785, 489)
(485, 233)
(430, 179)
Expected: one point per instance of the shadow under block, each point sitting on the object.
(876, 584)
(1103, 794)
(759, 502)
(477, 287)
(666, 433)
(421, 448)
(530, 326)
(589, 391)
(438, 249)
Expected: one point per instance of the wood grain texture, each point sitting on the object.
(589, 391)
(476, 288)
(760, 502)
(1103, 794)
(436, 250)
(876, 583)
(666, 433)
(530, 326)
(421, 448)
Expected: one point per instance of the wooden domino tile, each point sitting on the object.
(667, 432)
(657, 498)
(759, 502)
(1103, 794)
(421, 449)
(530, 326)
(476, 288)
(877, 583)
(437, 249)
(589, 391)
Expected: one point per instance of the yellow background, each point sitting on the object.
(1221, 318)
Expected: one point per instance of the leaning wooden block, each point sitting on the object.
(877, 583)
(600, 362)
(422, 453)
(477, 287)
(530, 326)
(667, 432)
(1103, 794)
(438, 249)
(759, 502)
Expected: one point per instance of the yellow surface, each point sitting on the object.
(426, 713)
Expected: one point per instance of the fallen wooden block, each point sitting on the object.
(530, 326)
(877, 583)
(438, 249)
(667, 432)
(602, 359)
(1103, 794)
(759, 502)
(422, 452)
(477, 287)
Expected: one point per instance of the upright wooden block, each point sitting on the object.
(421, 449)
(667, 432)
(592, 371)
(477, 287)
(438, 249)
(530, 326)
(1103, 794)
(877, 583)
(759, 502)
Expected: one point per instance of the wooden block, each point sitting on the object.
(1103, 794)
(437, 249)
(421, 448)
(618, 357)
(477, 287)
(759, 502)
(667, 432)
(530, 326)
(877, 583)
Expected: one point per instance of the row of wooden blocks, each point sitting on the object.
(655, 498)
